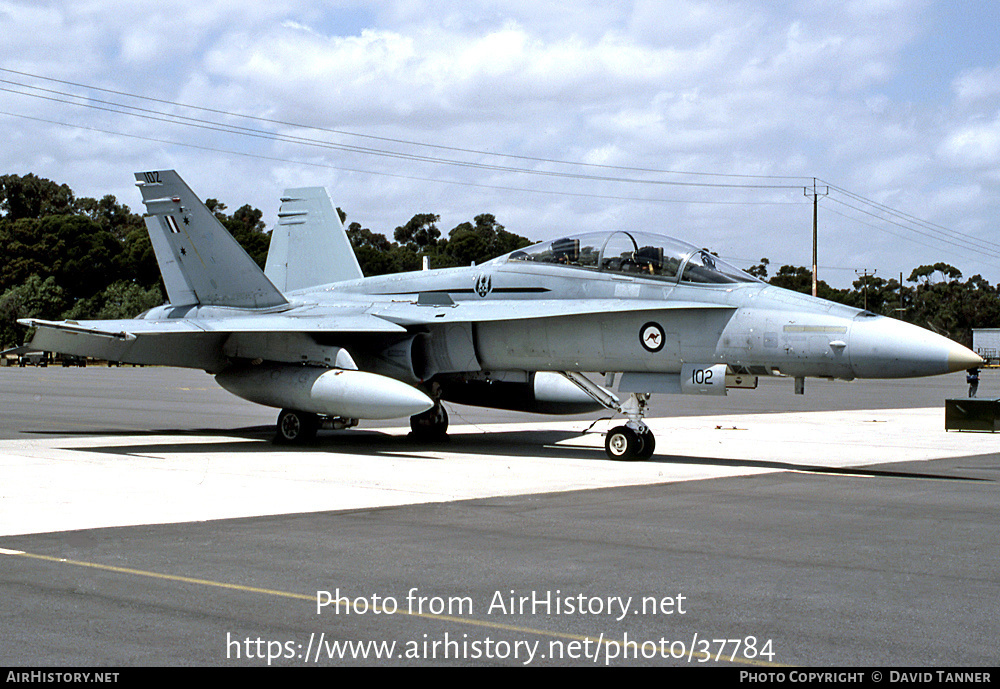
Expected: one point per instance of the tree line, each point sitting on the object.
(65, 257)
(933, 296)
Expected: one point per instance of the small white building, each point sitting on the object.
(986, 343)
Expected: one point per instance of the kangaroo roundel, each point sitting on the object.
(651, 337)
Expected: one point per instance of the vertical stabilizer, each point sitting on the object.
(200, 261)
(309, 246)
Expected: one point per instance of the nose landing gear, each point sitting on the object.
(634, 440)
(623, 443)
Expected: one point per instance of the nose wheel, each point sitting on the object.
(624, 444)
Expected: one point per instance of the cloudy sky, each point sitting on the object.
(701, 120)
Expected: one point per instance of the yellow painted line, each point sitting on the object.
(155, 575)
(370, 607)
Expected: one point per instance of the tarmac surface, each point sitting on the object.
(146, 519)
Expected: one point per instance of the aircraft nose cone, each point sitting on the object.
(883, 347)
(961, 358)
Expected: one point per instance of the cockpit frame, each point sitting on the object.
(637, 254)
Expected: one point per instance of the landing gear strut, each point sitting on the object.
(634, 440)
(296, 427)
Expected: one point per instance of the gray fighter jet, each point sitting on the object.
(312, 336)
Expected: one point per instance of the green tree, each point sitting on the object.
(246, 227)
(952, 307)
(478, 242)
(926, 274)
(26, 250)
(84, 261)
(876, 294)
(35, 298)
(759, 271)
(111, 216)
(420, 235)
(33, 197)
(122, 299)
(371, 249)
(467, 243)
(136, 260)
(799, 279)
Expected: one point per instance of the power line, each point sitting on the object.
(341, 168)
(400, 141)
(926, 224)
(951, 250)
(963, 244)
(910, 224)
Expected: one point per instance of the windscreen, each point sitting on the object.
(635, 253)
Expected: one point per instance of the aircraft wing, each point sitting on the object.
(189, 342)
(128, 330)
(411, 313)
(385, 317)
(207, 342)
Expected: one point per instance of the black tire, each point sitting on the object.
(648, 443)
(296, 427)
(622, 444)
(431, 425)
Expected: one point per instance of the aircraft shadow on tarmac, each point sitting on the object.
(539, 444)
(373, 443)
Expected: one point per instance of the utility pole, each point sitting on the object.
(865, 288)
(815, 194)
(902, 309)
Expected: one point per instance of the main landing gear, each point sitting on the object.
(296, 427)
(431, 425)
(299, 427)
(634, 440)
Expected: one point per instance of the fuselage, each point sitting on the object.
(661, 307)
(753, 327)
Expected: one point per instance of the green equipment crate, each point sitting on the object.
(970, 414)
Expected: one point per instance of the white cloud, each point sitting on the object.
(730, 87)
(973, 145)
(981, 83)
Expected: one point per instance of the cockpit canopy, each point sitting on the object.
(637, 254)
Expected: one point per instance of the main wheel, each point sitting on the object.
(431, 425)
(296, 427)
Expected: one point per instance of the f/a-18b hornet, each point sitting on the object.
(313, 337)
